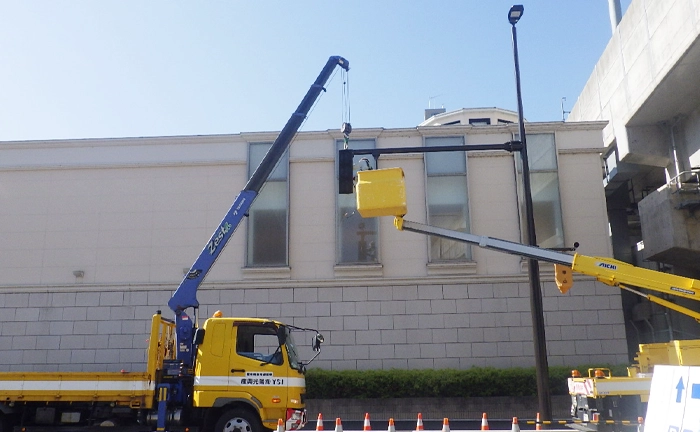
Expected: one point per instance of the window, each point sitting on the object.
(480, 121)
(544, 183)
(446, 194)
(356, 236)
(294, 361)
(501, 121)
(267, 221)
(259, 342)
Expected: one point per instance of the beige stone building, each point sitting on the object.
(96, 233)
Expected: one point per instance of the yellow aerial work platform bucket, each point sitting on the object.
(381, 192)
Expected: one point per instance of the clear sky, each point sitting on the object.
(126, 68)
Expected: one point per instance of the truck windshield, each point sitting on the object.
(292, 351)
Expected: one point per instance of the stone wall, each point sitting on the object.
(394, 325)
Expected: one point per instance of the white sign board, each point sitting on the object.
(674, 400)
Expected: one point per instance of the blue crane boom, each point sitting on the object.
(186, 294)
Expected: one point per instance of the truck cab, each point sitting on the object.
(250, 364)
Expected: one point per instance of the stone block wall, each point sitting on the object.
(393, 325)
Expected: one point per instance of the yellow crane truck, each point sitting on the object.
(598, 399)
(246, 377)
(230, 375)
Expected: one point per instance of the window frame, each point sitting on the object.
(434, 242)
(350, 211)
(253, 333)
(557, 215)
(480, 121)
(275, 177)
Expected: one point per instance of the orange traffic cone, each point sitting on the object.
(538, 425)
(280, 425)
(319, 422)
(367, 426)
(419, 422)
(445, 425)
(516, 427)
(338, 425)
(391, 427)
(484, 422)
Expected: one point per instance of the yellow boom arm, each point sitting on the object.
(382, 193)
(626, 276)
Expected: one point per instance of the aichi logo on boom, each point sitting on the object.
(606, 265)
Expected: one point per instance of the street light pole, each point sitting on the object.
(541, 366)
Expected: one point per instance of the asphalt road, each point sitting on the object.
(455, 425)
(428, 425)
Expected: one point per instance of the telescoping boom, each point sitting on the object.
(186, 294)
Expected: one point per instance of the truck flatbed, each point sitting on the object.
(128, 388)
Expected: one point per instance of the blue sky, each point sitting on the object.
(125, 68)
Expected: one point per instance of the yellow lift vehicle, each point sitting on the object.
(598, 397)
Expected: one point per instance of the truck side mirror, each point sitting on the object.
(317, 341)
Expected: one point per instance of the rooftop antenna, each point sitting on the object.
(563, 113)
(430, 100)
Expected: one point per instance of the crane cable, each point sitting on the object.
(346, 128)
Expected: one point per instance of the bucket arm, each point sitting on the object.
(186, 294)
(606, 270)
(382, 193)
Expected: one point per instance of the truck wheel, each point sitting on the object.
(238, 420)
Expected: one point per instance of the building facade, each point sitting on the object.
(97, 234)
(647, 87)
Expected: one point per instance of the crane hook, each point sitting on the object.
(346, 128)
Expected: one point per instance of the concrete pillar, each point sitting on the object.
(619, 225)
(679, 147)
(622, 243)
(615, 13)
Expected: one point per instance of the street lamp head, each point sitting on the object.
(515, 13)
